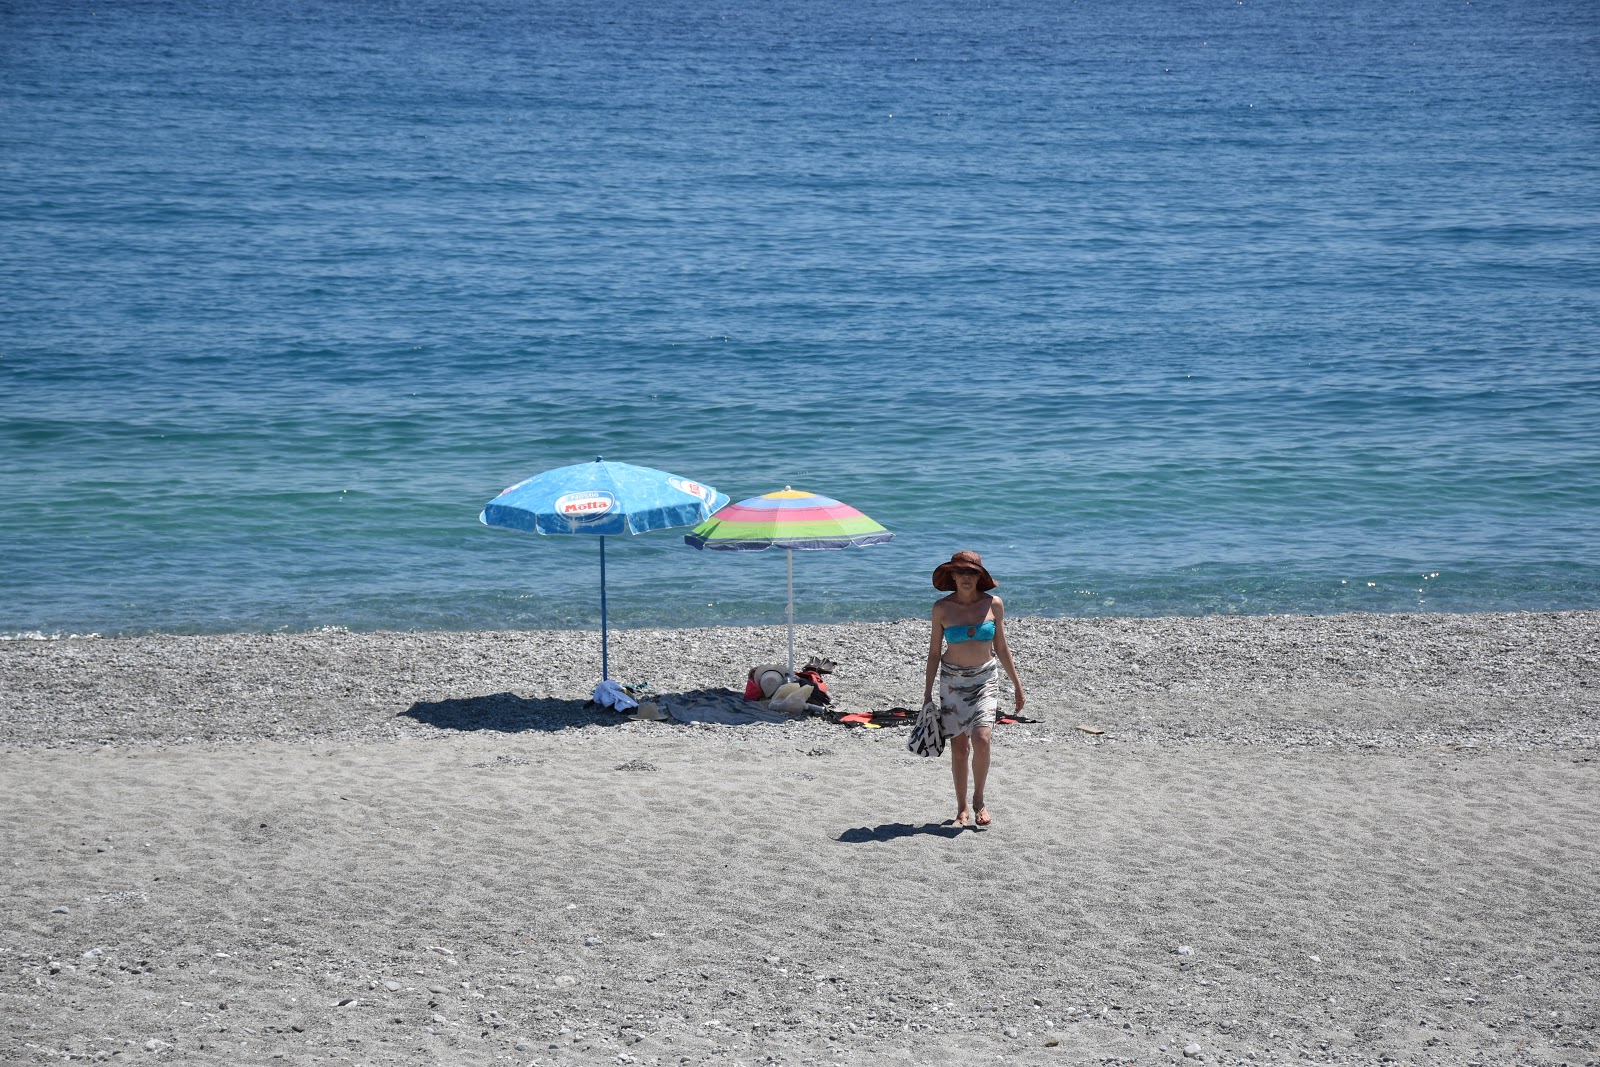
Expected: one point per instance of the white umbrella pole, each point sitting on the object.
(791, 614)
(605, 666)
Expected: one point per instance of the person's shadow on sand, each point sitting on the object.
(892, 831)
(511, 714)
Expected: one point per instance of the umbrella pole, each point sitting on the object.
(605, 667)
(791, 614)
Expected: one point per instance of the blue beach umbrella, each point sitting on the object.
(602, 500)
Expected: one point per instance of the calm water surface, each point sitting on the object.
(1187, 309)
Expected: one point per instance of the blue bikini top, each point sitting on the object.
(957, 634)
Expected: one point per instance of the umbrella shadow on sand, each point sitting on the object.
(893, 831)
(511, 714)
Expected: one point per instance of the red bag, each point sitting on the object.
(814, 679)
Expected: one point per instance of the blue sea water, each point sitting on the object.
(1175, 308)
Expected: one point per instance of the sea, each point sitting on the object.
(1189, 307)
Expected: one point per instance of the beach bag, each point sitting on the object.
(927, 739)
(791, 697)
(820, 688)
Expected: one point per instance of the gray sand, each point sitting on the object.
(1374, 836)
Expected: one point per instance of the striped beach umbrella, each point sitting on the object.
(792, 520)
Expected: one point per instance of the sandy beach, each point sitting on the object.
(1344, 839)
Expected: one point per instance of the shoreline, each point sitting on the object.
(22, 636)
(1275, 678)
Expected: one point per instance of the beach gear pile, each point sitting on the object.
(769, 696)
(620, 696)
(770, 685)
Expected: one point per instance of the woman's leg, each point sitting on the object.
(960, 754)
(980, 770)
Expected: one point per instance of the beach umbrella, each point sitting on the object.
(791, 520)
(602, 500)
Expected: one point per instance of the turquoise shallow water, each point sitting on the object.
(1211, 308)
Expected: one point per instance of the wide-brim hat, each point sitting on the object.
(769, 679)
(944, 575)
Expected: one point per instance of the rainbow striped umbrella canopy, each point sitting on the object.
(788, 519)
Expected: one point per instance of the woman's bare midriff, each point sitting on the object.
(968, 653)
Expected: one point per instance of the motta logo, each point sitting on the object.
(694, 489)
(584, 507)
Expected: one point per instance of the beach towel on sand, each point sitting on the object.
(723, 707)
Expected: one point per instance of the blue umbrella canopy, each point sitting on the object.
(603, 500)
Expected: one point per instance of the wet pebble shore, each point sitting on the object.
(1513, 679)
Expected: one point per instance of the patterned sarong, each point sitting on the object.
(968, 697)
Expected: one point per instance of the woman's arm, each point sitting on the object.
(1002, 650)
(935, 646)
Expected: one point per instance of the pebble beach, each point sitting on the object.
(1251, 343)
(1272, 839)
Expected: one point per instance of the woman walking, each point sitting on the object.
(969, 629)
